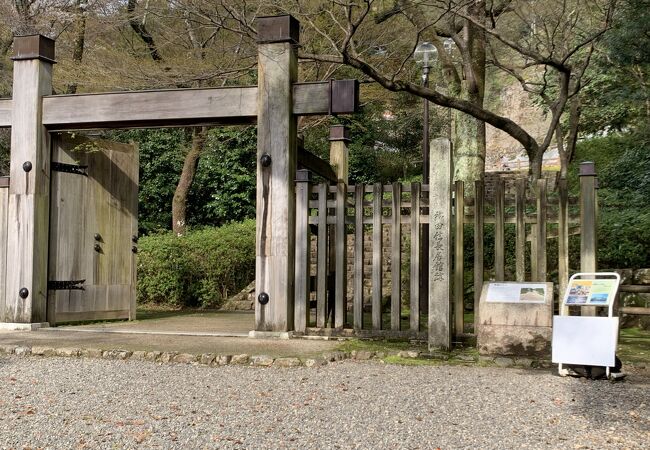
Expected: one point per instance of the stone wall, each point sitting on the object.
(367, 264)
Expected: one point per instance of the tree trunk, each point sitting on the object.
(469, 139)
(469, 149)
(179, 203)
(140, 29)
(559, 140)
(536, 166)
(79, 41)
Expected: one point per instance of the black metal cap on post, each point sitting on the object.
(303, 175)
(272, 29)
(35, 46)
(339, 133)
(344, 96)
(587, 169)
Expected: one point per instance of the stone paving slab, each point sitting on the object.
(237, 323)
(167, 343)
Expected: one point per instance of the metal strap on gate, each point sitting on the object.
(69, 168)
(53, 285)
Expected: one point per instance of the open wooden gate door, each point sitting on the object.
(93, 230)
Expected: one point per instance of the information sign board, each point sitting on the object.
(591, 292)
(516, 293)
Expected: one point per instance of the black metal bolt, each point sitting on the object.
(134, 249)
(27, 166)
(265, 160)
(23, 293)
(134, 238)
(263, 298)
(97, 247)
(98, 237)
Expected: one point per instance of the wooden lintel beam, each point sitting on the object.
(307, 160)
(176, 107)
(5, 113)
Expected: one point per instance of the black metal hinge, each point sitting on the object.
(66, 285)
(69, 168)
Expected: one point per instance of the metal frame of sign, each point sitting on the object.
(611, 296)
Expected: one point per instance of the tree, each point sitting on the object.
(548, 52)
(199, 38)
(617, 95)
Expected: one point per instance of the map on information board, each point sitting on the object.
(516, 293)
(596, 292)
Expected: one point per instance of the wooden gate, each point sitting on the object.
(93, 230)
(33, 113)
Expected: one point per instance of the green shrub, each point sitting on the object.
(623, 164)
(201, 268)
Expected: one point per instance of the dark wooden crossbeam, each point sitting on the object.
(307, 160)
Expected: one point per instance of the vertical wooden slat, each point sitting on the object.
(499, 230)
(541, 229)
(331, 269)
(4, 200)
(396, 259)
(415, 258)
(520, 211)
(479, 198)
(358, 256)
(563, 238)
(134, 233)
(459, 266)
(341, 269)
(301, 315)
(321, 264)
(377, 269)
(534, 275)
(588, 209)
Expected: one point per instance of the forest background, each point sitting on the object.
(580, 65)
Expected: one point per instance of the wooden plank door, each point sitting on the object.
(93, 229)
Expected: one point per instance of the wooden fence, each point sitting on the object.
(538, 219)
(334, 211)
(328, 214)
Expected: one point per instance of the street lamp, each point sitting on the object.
(426, 55)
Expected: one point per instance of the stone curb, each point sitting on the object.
(213, 360)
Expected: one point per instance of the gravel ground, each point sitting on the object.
(86, 403)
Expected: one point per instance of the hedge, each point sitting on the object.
(201, 268)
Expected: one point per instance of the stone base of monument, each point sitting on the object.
(515, 319)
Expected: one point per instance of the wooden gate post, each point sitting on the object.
(278, 39)
(588, 241)
(29, 189)
(339, 138)
(439, 244)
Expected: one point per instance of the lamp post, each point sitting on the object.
(449, 47)
(425, 54)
